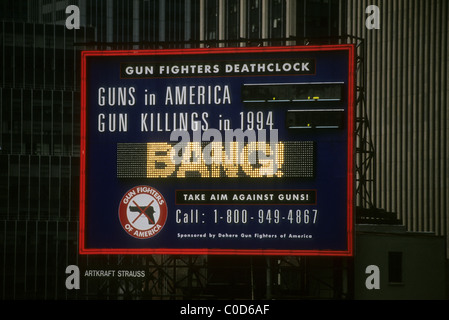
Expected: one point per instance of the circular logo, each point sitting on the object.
(143, 212)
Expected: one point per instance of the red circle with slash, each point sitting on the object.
(143, 212)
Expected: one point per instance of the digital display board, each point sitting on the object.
(217, 151)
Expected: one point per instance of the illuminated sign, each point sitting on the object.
(217, 151)
(293, 159)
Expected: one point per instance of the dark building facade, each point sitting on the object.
(40, 134)
(407, 98)
(407, 88)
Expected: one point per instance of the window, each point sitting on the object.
(232, 20)
(277, 19)
(319, 18)
(211, 20)
(254, 18)
(395, 267)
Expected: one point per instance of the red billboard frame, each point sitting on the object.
(350, 151)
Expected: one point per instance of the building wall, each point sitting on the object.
(39, 156)
(254, 20)
(412, 266)
(39, 112)
(407, 98)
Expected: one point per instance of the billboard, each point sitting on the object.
(217, 151)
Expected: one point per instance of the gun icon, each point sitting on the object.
(148, 212)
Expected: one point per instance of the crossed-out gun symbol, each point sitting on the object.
(148, 212)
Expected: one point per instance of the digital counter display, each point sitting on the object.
(292, 92)
(292, 159)
(244, 151)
